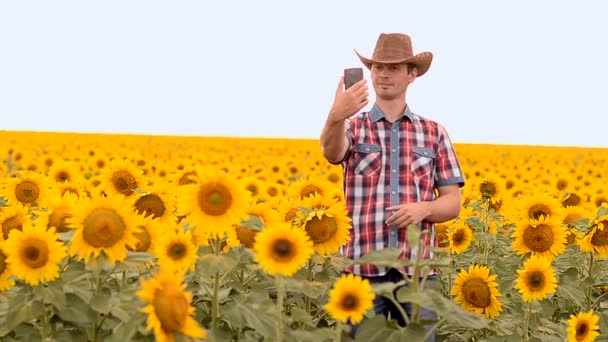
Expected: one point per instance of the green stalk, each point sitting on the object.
(215, 307)
(280, 295)
(338, 327)
(310, 277)
(415, 282)
(526, 322)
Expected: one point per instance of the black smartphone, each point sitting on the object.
(352, 76)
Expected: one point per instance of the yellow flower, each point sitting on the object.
(176, 251)
(282, 249)
(460, 236)
(311, 185)
(490, 187)
(350, 298)
(121, 177)
(215, 203)
(583, 327)
(150, 232)
(476, 290)
(13, 218)
(544, 237)
(596, 241)
(5, 272)
(59, 209)
(538, 205)
(537, 280)
(64, 172)
(169, 307)
(28, 188)
(288, 209)
(103, 225)
(34, 254)
(157, 202)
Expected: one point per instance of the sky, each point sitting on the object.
(504, 72)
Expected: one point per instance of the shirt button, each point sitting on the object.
(426, 153)
(394, 150)
(393, 232)
(394, 171)
(367, 149)
(394, 130)
(392, 192)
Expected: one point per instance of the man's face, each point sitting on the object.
(391, 80)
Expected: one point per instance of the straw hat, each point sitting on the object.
(393, 48)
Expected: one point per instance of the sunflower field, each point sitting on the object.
(167, 238)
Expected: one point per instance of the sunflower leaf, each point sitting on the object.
(381, 257)
(211, 264)
(312, 289)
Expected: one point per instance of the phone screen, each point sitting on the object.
(352, 76)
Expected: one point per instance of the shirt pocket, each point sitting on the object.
(368, 159)
(423, 161)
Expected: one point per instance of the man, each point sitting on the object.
(393, 162)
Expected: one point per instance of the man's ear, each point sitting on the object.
(413, 74)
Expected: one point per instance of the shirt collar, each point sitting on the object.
(376, 113)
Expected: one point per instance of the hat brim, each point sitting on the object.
(422, 61)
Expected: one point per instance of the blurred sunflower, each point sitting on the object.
(157, 202)
(537, 280)
(476, 290)
(63, 171)
(59, 209)
(544, 237)
(182, 177)
(169, 307)
(538, 205)
(103, 225)
(490, 187)
(254, 185)
(441, 230)
(5, 272)
(27, 188)
(216, 203)
(176, 251)
(350, 298)
(326, 222)
(583, 327)
(13, 218)
(34, 254)
(288, 209)
(460, 237)
(121, 177)
(310, 185)
(149, 233)
(74, 188)
(596, 241)
(282, 249)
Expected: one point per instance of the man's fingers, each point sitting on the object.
(340, 88)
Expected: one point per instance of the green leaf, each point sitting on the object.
(254, 223)
(100, 301)
(77, 311)
(52, 294)
(413, 235)
(126, 331)
(210, 264)
(375, 329)
(316, 335)
(384, 257)
(249, 311)
(300, 316)
(312, 289)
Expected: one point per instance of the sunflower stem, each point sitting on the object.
(450, 274)
(280, 295)
(415, 281)
(486, 228)
(338, 327)
(526, 321)
(309, 277)
(216, 289)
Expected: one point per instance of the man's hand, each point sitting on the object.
(408, 213)
(349, 102)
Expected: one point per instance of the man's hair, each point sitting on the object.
(410, 66)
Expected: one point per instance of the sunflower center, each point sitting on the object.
(2, 263)
(535, 280)
(11, 223)
(27, 192)
(538, 239)
(143, 240)
(321, 230)
(214, 199)
(350, 302)
(184, 180)
(57, 219)
(176, 251)
(539, 210)
(476, 292)
(570, 219)
(103, 228)
(253, 188)
(35, 253)
(581, 330)
(333, 177)
(246, 236)
(62, 176)
(310, 190)
(458, 237)
(283, 248)
(171, 308)
(124, 182)
(488, 189)
(572, 200)
(150, 204)
(272, 191)
(70, 190)
(291, 214)
(600, 237)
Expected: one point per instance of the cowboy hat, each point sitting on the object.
(394, 48)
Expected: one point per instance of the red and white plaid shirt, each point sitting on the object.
(389, 164)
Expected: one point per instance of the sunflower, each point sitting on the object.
(176, 251)
(157, 202)
(215, 203)
(537, 280)
(477, 291)
(27, 188)
(310, 185)
(74, 188)
(254, 185)
(596, 241)
(182, 177)
(460, 236)
(282, 249)
(63, 172)
(326, 222)
(288, 209)
(13, 218)
(583, 327)
(441, 230)
(350, 298)
(169, 307)
(538, 205)
(121, 177)
(5, 272)
(103, 225)
(490, 187)
(544, 237)
(59, 209)
(34, 254)
(150, 232)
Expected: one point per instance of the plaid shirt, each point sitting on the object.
(388, 164)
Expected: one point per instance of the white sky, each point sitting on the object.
(514, 72)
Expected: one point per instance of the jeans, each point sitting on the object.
(384, 306)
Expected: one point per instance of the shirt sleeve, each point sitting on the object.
(448, 170)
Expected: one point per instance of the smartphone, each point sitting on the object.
(352, 76)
